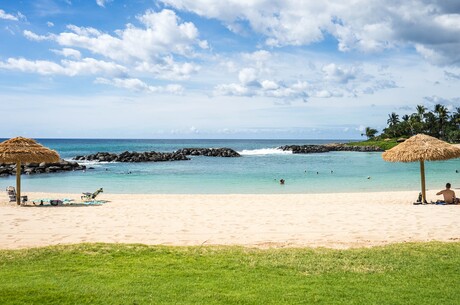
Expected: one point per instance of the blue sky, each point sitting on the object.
(222, 69)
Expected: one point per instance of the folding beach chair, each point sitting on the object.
(12, 194)
(91, 196)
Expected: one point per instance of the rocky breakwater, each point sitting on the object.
(311, 149)
(209, 152)
(152, 156)
(305, 149)
(40, 168)
(148, 156)
(346, 147)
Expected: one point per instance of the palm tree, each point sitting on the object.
(370, 132)
(415, 125)
(420, 112)
(442, 113)
(455, 118)
(393, 119)
(430, 123)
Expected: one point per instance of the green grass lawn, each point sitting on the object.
(416, 273)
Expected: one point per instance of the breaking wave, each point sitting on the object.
(264, 151)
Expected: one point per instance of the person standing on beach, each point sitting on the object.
(449, 195)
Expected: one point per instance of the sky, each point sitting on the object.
(270, 69)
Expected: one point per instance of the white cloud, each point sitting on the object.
(87, 66)
(266, 89)
(175, 89)
(255, 79)
(258, 56)
(446, 55)
(451, 21)
(146, 51)
(32, 36)
(203, 44)
(21, 16)
(265, 74)
(450, 103)
(337, 74)
(430, 26)
(323, 94)
(452, 75)
(38, 66)
(50, 24)
(269, 85)
(380, 84)
(247, 76)
(231, 89)
(102, 3)
(6, 16)
(138, 85)
(167, 68)
(149, 48)
(67, 52)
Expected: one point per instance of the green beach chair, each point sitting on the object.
(91, 196)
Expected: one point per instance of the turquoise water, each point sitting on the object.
(257, 171)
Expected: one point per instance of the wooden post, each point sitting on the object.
(18, 182)
(422, 174)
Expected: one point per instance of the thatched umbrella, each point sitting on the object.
(421, 148)
(23, 150)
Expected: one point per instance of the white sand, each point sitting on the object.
(314, 220)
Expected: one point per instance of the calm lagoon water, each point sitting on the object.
(257, 171)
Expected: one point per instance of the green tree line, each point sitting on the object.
(439, 123)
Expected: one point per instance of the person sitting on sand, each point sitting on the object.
(449, 195)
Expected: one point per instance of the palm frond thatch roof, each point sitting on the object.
(421, 148)
(26, 150)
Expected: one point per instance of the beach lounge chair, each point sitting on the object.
(91, 196)
(12, 194)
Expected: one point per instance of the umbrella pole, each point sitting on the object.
(422, 174)
(18, 182)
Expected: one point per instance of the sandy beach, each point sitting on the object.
(335, 221)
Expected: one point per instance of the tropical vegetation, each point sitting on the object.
(439, 122)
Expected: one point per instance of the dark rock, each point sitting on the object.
(35, 168)
(152, 156)
(149, 156)
(209, 152)
(309, 149)
(305, 149)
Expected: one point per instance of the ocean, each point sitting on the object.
(258, 171)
